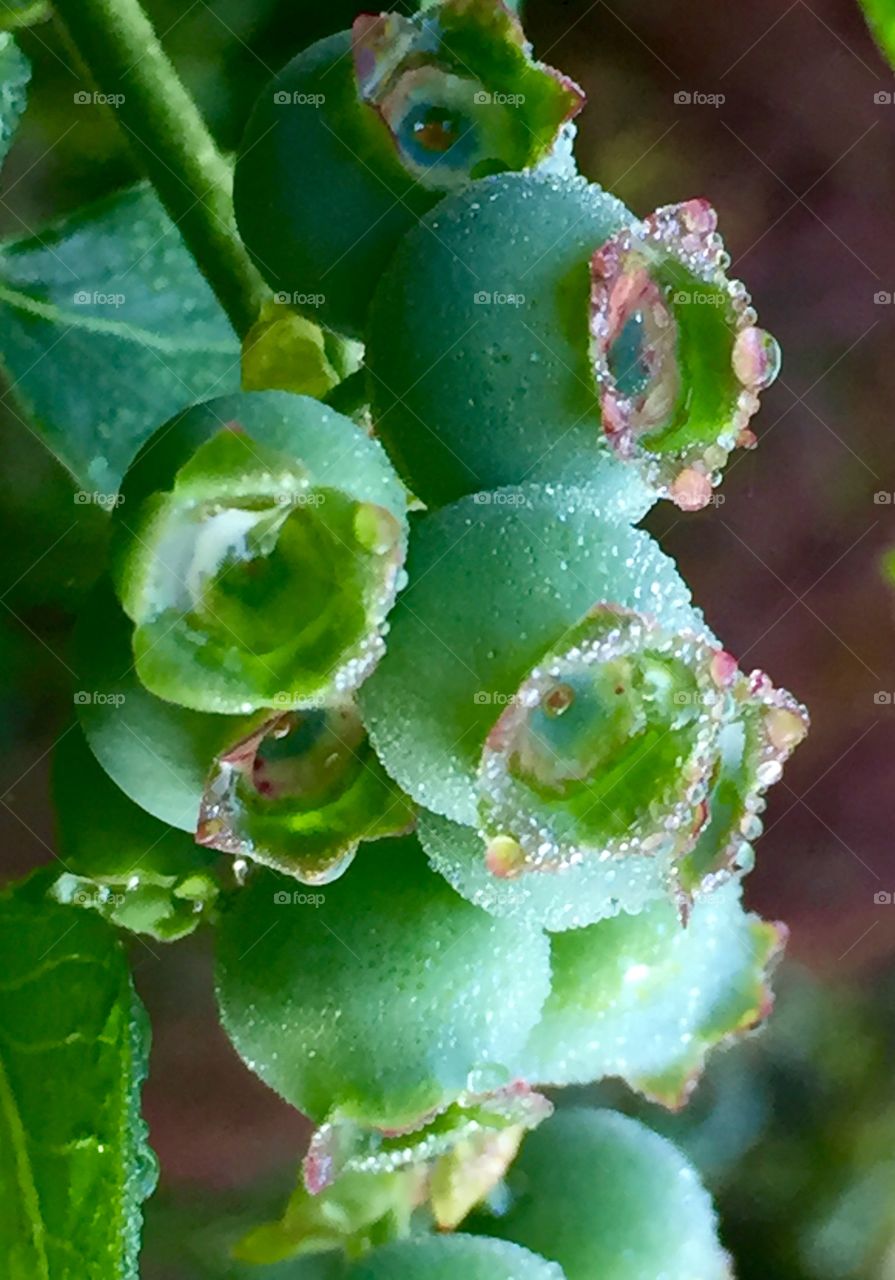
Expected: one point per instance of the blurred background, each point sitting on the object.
(784, 118)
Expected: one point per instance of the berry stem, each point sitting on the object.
(171, 141)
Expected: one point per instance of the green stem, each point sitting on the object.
(163, 126)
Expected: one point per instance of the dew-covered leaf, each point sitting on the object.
(604, 1196)
(74, 1161)
(120, 861)
(645, 998)
(15, 73)
(107, 329)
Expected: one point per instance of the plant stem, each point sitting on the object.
(117, 43)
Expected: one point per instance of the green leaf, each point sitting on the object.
(15, 73)
(286, 352)
(880, 15)
(608, 1199)
(74, 1162)
(358, 1211)
(118, 860)
(23, 13)
(107, 330)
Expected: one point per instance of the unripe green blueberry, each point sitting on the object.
(530, 322)
(383, 1002)
(452, 1257)
(645, 997)
(260, 539)
(563, 731)
(608, 1199)
(292, 789)
(477, 341)
(366, 130)
(493, 582)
